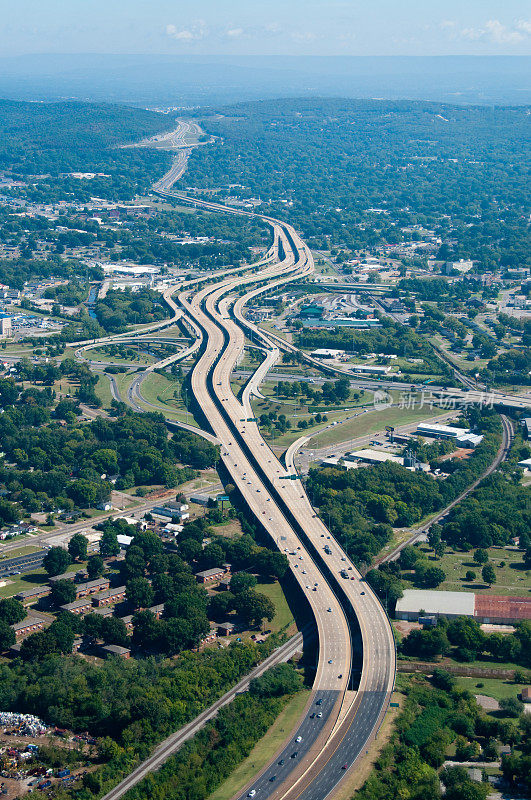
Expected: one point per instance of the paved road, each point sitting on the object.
(378, 664)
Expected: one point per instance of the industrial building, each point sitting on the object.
(440, 431)
(488, 609)
(372, 369)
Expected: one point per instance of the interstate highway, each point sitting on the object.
(212, 389)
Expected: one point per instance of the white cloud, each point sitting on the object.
(234, 33)
(493, 30)
(524, 25)
(501, 34)
(194, 32)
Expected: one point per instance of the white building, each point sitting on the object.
(328, 353)
(6, 328)
(440, 431)
(371, 369)
(374, 457)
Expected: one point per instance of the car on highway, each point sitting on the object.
(320, 714)
(298, 739)
(251, 793)
(295, 754)
(281, 762)
(272, 778)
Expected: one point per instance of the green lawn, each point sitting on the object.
(512, 579)
(283, 616)
(103, 390)
(491, 687)
(19, 582)
(372, 422)
(159, 390)
(265, 749)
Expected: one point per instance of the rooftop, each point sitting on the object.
(434, 602)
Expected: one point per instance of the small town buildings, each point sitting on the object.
(440, 431)
(109, 650)
(81, 606)
(210, 575)
(92, 587)
(226, 628)
(108, 596)
(27, 596)
(27, 626)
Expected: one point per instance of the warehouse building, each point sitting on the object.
(440, 431)
(485, 609)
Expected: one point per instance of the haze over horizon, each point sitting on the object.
(247, 27)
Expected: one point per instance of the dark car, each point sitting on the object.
(295, 754)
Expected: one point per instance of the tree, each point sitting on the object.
(409, 557)
(432, 577)
(466, 633)
(488, 574)
(38, 645)
(255, 607)
(470, 575)
(511, 706)
(7, 636)
(212, 556)
(114, 631)
(77, 547)
(242, 582)
(12, 611)
(95, 567)
(109, 543)
(219, 605)
(147, 629)
(481, 556)
(139, 592)
(56, 561)
(443, 680)
(64, 637)
(63, 591)
(277, 681)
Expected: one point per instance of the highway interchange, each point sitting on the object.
(356, 659)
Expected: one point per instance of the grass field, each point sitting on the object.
(228, 529)
(295, 414)
(491, 687)
(159, 390)
(28, 581)
(512, 579)
(371, 422)
(265, 749)
(103, 390)
(283, 616)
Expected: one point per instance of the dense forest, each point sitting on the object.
(52, 461)
(49, 140)
(460, 171)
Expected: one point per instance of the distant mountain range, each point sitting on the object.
(163, 81)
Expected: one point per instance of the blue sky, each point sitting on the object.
(269, 27)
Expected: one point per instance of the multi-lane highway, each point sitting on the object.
(331, 743)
